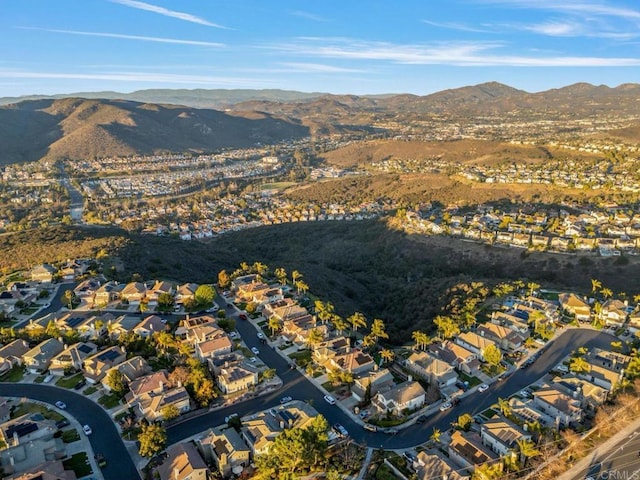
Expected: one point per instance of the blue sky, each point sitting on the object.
(357, 46)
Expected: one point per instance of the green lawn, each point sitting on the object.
(69, 382)
(473, 381)
(302, 358)
(26, 407)
(109, 401)
(79, 463)
(13, 375)
(277, 185)
(39, 379)
(90, 390)
(329, 387)
(70, 436)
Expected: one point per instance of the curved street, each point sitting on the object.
(105, 438)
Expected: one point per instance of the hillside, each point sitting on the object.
(80, 128)
(359, 266)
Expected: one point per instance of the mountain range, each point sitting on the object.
(152, 121)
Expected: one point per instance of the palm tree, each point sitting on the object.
(510, 462)
(532, 286)
(274, 324)
(435, 436)
(595, 285)
(339, 323)
(357, 320)
(505, 407)
(315, 337)
(164, 341)
(527, 450)
(295, 276)
(302, 287)
(378, 329)
(579, 365)
(68, 297)
(260, 268)
(387, 355)
(281, 275)
(606, 292)
(420, 338)
(487, 471)
(368, 341)
(323, 310)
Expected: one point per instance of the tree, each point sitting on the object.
(420, 338)
(378, 329)
(302, 287)
(447, 328)
(510, 462)
(357, 320)
(295, 276)
(527, 450)
(68, 298)
(464, 421)
(269, 373)
(579, 365)
(204, 295)
(115, 381)
(368, 341)
(505, 407)
(323, 310)
(169, 412)
(260, 268)
(164, 341)
(595, 285)
(606, 292)
(387, 355)
(165, 301)
(281, 275)
(52, 329)
(532, 286)
(153, 439)
(339, 323)
(274, 325)
(435, 435)
(315, 337)
(223, 279)
(492, 355)
(487, 471)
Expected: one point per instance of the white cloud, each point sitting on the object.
(131, 37)
(308, 16)
(571, 6)
(167, 13)
(449, 53)
(318, 68)
(456, 26)
(146, 77)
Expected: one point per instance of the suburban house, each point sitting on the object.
(131, 369)
(614, 313)
(512, 322)
(11, 354)
(437, 372)
(297, 329)
(186, 293)
(434, 464)
(467, 450)
(224, 448)
(107, 293)
(249, 291)
(264, 297)
(325, 351)
(260, 430)
(51, 469)
(134, 293)
(505, 338)
(375, 380)
(159, 288)
(501, 435)
(354, 361)
(183, 462)
(406, 396)
(602, 376)
(71, 357)
(575, 306)
(214, 346)
(562, 407)
(475, 343)
(150, 325)
(237, 377)
(121, 325)
(238, 282)
(152, 392)
(528, 411)
(43, 273)
(284, 309)
(95, 367)
(38, 359)
(87, 288)
(591, 396)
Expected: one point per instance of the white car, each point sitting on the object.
(285, 399)
(255, 350)
(446, 406)
(260, 335)
(329, 399)
(233, 415)
(61, 405)
(483, 388)
(87, 430)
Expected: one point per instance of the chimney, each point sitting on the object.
(179, 383)
(410, 378)
(16, 439)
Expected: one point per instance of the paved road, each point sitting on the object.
(55, 304)
(105, 438)
(621, 461)
(299, 387)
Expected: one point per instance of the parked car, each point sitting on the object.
(562, 368)
(61, 405)
(329, 399)
(341, 430)
(260, 335)
(229, 417)
(446, 406)
(371, 428)
(100, 460)
(87, 430)
(390, 431)
(421, 419)
(285, 399)
(62, 423)
(242, 316)
(483, 388)
(255, 350)
(80, 384)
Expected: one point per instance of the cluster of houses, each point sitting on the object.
(608, 233)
